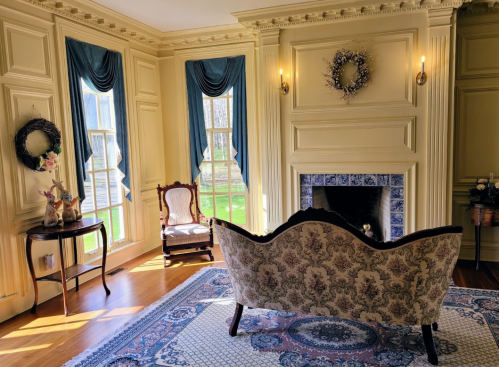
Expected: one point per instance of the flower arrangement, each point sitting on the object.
(49, 160)
(485, 191)
(359, 79)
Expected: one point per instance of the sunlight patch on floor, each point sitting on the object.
(46, 329)
(61, 319)
(25, 349)
(124, 311)
(153, 264)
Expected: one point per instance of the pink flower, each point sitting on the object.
(49, 164)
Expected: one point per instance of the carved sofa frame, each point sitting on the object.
(318, 264)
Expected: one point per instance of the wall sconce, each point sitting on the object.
(284, 86)
(421, 78)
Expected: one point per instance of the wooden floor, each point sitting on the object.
(465, 275)
(49, 339)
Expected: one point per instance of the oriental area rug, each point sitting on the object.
(189, 327)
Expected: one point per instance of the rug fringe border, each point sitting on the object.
(145, 312)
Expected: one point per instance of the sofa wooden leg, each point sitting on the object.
(434, 326)
(429, 344)
(235, 320)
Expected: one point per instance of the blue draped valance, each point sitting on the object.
(102, 70)
(215, 77)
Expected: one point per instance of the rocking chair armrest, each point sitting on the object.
(202, 217)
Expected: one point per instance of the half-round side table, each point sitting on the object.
(71, 230)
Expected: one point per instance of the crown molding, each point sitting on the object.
(99, 17)
(250, 22)
(334, 10)
(479, 7)
(230, 33)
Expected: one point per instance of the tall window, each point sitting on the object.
(103, 188)
(223, 193)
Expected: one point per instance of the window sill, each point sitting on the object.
(114, 251)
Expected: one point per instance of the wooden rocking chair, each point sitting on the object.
(181, 229)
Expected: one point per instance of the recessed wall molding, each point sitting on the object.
(19, 110)
(311, 96)
(17, 38)
(146, 83)
(466, 106)
(473, 64)
(151, 137)
(393, 134)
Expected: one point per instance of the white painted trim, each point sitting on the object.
(248, 50)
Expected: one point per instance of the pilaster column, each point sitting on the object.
(270, 118)
(440, 78)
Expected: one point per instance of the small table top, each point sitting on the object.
(65, 230)
(485, 215)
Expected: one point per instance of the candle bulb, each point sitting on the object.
(422, 64)
(280, 71)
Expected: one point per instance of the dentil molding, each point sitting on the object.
(250, 22)
(335, 10)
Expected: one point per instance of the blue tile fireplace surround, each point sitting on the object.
(394, 181)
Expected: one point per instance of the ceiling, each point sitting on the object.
(176, 15)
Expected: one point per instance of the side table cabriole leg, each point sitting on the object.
(104, 255)
(477, 247)
(63, 277)
(29, 243)
(75, 252)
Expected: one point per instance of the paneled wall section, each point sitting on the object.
(476, 151)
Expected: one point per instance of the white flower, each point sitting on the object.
(53, 155)
(482, 180)
(480, 187)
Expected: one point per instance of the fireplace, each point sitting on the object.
(375, 199)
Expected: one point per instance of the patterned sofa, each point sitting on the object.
(318, 264)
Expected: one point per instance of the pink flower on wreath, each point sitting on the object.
(49, 164)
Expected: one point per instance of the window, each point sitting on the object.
(223, 193)
(103, 189)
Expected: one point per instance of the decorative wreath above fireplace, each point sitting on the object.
(358, 80)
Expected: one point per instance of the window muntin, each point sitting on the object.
(222, 192)
(103, 189)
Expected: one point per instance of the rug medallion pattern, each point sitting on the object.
(189, 327)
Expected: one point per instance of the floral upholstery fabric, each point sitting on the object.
(322, 269)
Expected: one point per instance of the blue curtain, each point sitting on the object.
(102, 70)
(215, 77)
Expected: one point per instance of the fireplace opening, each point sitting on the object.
(358, 205)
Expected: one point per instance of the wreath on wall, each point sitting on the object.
(358, 80)
(43, 162)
